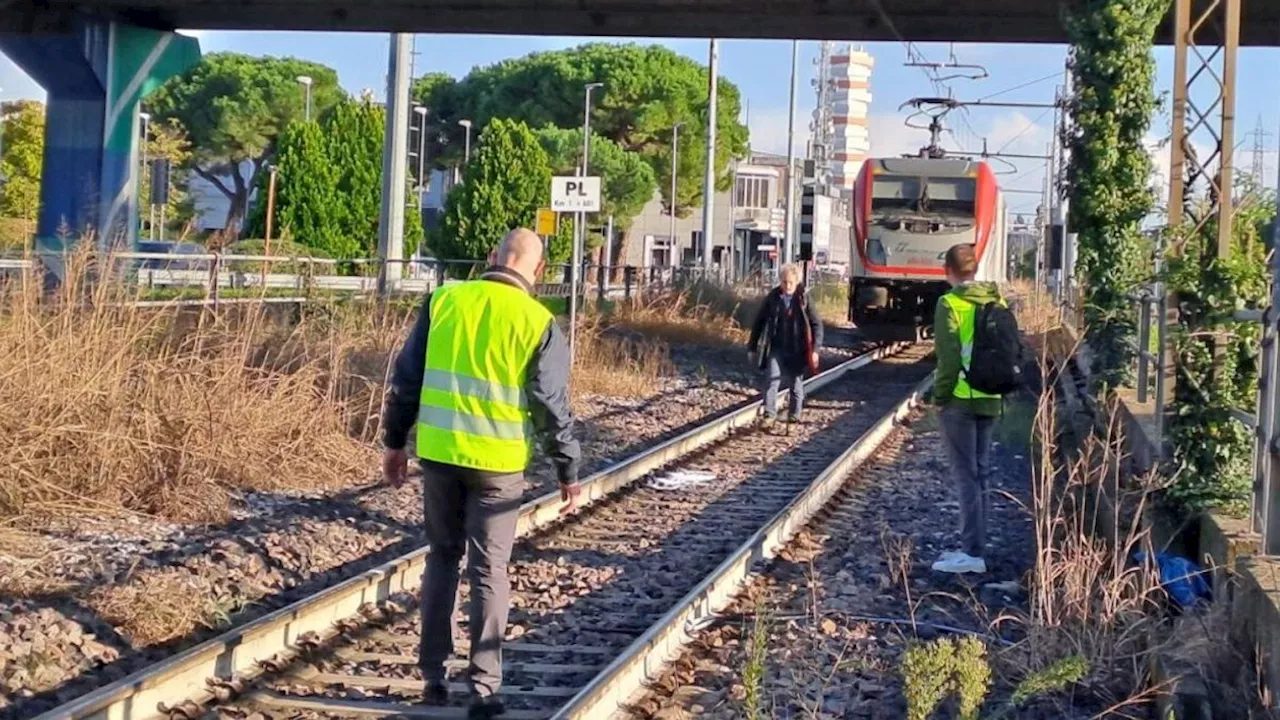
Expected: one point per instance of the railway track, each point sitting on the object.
(599, 600)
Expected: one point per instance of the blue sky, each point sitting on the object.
(761, 69)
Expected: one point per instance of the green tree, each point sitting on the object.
(352, 152)
(355, 132)
(502, 188)
(627, 181)
(21, 159)
(308, 207)
(1113, 71)
(647, 91)
(233, 108)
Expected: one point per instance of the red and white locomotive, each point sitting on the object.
(907, 212)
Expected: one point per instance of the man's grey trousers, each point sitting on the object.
(473, 511)
(968, 440)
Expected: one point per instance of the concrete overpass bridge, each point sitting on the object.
(986, 21)
(98, 58)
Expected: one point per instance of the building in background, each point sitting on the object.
(840, 136)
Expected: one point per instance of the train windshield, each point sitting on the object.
(950, 195)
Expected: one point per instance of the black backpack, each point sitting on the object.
(995, 367)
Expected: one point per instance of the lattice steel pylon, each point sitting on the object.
(1258, 167)
(1206, 45)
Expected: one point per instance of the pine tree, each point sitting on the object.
(334, 168)
(308, 205)
(355, 131)
(502, 188)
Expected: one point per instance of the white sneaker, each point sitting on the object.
(960, 563)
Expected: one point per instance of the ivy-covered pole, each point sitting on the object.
(1113, 74)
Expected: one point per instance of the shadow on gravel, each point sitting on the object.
(662, 566)
(253, 542)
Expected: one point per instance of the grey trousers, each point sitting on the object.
(476, 512)
(775, 369)
(968, 441)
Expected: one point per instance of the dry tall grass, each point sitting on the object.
(107, 408)
(1036, 310)
(1088, 598)
(617, 364)
(701, 313)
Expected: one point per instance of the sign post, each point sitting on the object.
(577, 195)
(546, 225)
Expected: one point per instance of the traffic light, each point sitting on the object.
(806, 223)
(1055, 247)
(160, 182)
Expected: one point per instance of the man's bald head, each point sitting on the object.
(520, 250)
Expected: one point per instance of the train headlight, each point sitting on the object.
(875, 252)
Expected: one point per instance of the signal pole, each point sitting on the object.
(709, 183)
(788, 237)
(394, 160)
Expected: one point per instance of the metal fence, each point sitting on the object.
(1153, 312)
(1265, 510)
(222, 277)
(1151, 352)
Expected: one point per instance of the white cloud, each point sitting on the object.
(769, 130)
(890, 137)
(1016, 133)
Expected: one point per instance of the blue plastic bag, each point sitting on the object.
(1181, 578)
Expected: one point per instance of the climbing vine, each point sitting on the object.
(1213, 452)
(1113, 75)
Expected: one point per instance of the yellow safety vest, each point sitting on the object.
(966, 313)
(474, 411)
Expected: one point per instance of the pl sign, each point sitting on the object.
(575, 194)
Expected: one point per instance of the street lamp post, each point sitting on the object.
(466, 151)
(580, 234)
(421, 112)
(675, 163)
(142, 174)
(305, 80)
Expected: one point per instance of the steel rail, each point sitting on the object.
(239, 652)
(626, 676)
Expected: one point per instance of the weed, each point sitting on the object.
(972, 676)
(753, 673)
(1054, 678)
(926, 677)
(934, 671)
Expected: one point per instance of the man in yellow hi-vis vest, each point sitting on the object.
(968, 415)
(484, 366)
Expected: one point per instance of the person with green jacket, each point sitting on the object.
(968, 417)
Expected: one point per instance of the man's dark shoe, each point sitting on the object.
(484, 708)
(435, 692)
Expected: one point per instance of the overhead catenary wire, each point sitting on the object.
(1024, 85)
(1023, 131)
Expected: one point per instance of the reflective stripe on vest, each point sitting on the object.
(966, 315)
(473, 411)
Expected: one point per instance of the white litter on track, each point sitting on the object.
(681, 480)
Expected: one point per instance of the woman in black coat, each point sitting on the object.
(792, 335)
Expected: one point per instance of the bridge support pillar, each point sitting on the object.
(96, 74)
